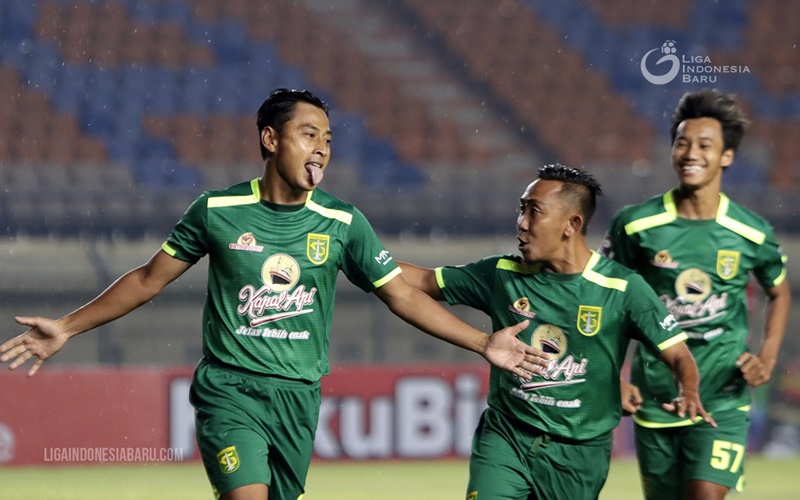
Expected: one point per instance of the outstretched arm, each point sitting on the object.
(46, 336)
(684, 370)
(423, 279)
(757, 368)
(502, 349)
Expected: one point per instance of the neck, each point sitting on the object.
(699, 204)
(275, 189)
(574, 256)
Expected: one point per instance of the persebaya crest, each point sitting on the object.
(317, 247)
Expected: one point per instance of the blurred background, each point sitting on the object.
(116, 114)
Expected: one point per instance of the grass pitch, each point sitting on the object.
(423, 480)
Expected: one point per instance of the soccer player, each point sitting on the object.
(550, 437)
(697, 249)
(275, 246)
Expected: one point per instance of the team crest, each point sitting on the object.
(228, 460)
(693, 285)
(550, 339)
(317, 247)
(280, 272)
(589, 320)
(727, 263)
(472, 495)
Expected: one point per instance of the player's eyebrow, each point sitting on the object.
(328, 132)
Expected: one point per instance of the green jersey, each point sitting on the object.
(272, 275)
(700, 269)
(584, 321)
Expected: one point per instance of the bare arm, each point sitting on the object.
(423, 279)
(46, 336)
(501, 349)
(684, 370)
(757, 369)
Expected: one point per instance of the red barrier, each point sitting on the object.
(143, 414)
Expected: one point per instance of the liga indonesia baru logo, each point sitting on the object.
(692, 69)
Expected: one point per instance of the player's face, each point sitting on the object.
(302, 150)
(542, 221)
(698, 154)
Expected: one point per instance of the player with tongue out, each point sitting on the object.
(275, 247)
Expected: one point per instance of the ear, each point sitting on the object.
(727, 158)
(574, 225)
(269, 138)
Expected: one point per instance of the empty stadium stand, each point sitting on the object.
(114, 110)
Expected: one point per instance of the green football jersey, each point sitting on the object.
(584, 321)
(700, 270)
(272, 273)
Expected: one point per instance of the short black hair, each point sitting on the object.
(708, 103)
(278, 109)
(579, 185)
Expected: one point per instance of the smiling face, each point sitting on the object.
(543, 221)
(301, 151)
(698, 154)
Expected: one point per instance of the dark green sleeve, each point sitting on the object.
(188, 240)
(770, 268)
(470, 284)
(651, 322)
(367, 263)
(617, 245)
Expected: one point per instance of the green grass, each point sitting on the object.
(776, 480)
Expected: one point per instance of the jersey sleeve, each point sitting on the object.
(469, 284)
(367, 263)
(770, 269)
(617, 244)
(188, 240)
(651, 322)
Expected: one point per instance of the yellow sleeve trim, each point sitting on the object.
(439, 277)
(669, 215)
(677, 339)
(387, 278)
(170, 251)
(737, 227)
(599, 279)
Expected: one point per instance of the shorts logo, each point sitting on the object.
(472, 495)
(589, 320)
(727, 263)
(228, 460)
(317, 247)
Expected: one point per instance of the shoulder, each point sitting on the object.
(607, 273)
(655, 205)
(332, 207)
(743, 221)
(238, 194)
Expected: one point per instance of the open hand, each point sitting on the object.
(506, 351)
(41, 341)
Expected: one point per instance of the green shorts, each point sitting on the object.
(671, 456)
(254, 428)
(513, 461)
